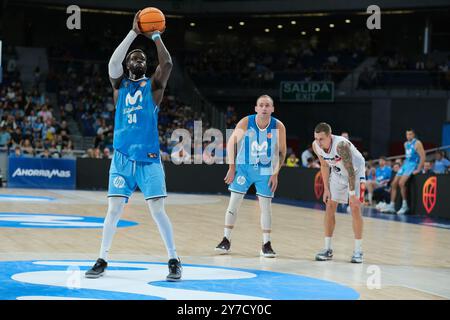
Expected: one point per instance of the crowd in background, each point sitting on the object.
(427, 72)
(28, 127)
(245, 63)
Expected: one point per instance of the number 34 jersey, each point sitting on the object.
(136, 121)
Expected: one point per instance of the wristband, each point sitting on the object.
(156, 36)
(352, 193)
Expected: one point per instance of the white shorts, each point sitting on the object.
(339, 186)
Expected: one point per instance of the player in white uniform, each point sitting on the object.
(343, 172)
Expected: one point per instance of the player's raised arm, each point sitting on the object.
(163, 70)
(115, 69)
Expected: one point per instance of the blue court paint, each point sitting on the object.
(12, 197)
(45, 220)
(367, 212)
(21, 279)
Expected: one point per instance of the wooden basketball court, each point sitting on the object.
(408, 261)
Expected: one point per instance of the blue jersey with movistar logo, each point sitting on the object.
(136, 121)
(410, 151)
(258, 145)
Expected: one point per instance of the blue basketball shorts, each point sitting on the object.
(126, 174)
(407, 169)
(246, 175)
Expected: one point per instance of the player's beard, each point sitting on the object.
(138, 71)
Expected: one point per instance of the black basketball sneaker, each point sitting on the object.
(324, 255)
(267, 251)
(175, 270)
(224, 246)
(97, 270)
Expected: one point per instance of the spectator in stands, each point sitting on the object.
(427, 168)
(89, 153)
(107, 153)
(306, 155)
(45, 113)
(16, 137)
(441, 164)
(45, 154)
(313, 164)
(292, 160)
(17, 152)
(97, 153)
(67, 152)
(383, 175)
(5, 137)
(27, 148)
(345, 135)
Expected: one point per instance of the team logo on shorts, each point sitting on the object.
(119, 182)
(240, 180)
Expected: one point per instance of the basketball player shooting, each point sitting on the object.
(344, 184)
(136, 160)
(258, 162)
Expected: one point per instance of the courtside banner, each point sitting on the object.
(41, 173)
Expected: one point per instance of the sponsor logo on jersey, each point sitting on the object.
(131, 100)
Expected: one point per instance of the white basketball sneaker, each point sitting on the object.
(380, 205)
(390, 208)
(403, 210)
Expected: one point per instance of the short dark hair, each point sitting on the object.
(383, 158)
(411, 129)
(133, 51)
(323, 127)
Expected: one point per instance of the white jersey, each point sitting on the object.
(333, 159)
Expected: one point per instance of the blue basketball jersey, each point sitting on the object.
(410, 151)
(258, 144)
(136, 121)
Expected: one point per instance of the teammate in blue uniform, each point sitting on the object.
(413, 164)
(383, 174)
(261, 154)
(136, 160)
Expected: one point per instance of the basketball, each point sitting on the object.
(152, 19)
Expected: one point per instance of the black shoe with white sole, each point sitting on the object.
(267, 251)
(175, 270)
(324, 255)
(224, 246)
(97, 270)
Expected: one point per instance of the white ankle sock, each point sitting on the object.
(358, 244)
(227, 233)
(328, 243)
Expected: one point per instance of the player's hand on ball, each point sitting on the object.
(326, 196)
(150, 34)
(230, 176)
(273, 182)
(136, 23)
